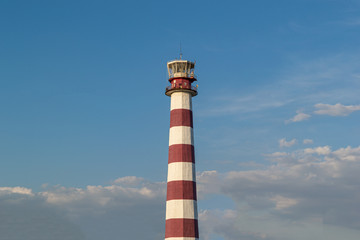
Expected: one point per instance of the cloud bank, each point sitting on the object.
(303, 190)
(131, 207)
(312, 185)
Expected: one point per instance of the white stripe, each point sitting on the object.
(181, 209)
(181, 238)
(181, 135)
(181, 171)
(181, 100)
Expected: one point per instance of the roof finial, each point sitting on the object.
(180, 51)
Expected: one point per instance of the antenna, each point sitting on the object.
(180, 51)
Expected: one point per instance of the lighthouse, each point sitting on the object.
(181, 203)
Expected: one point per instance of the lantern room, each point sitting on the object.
(181, 76)
(181, 68)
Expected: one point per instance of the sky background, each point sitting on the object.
(84, 120)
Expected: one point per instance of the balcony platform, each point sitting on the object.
(170, 90)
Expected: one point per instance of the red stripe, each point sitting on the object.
(181, 117)
(179, 227)
(181, 153)
(181, 190)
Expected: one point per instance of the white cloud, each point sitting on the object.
(284, 143)
(18, 190)
(348, 154)
(300, 116)
(335, 110)
(318, 150)
(308, 141)
(99, 199)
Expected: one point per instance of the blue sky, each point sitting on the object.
(84, 119)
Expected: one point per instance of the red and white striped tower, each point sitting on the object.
(181, 205)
